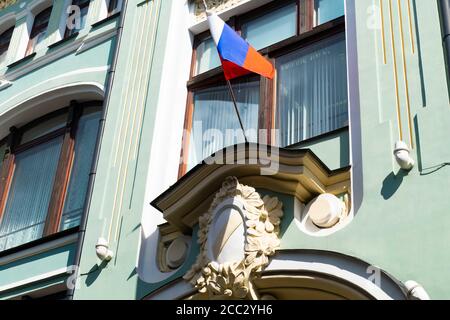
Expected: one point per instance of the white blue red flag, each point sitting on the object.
(237, 56)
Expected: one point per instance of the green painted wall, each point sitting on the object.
(332, 149)
(61, 66)
(34, 266)
(118, 197)
(402, 225)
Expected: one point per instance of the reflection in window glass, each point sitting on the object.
(113, 7)
(215, 123)
(207, 56)
(312, 91)
(272, 27)
(84, 151)
(29, 196)
(39, 30)
(5, 39)
(45, 127)
(328, 10)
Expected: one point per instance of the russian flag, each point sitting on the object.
(237, 56)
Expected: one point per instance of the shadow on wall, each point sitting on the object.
(392, 183)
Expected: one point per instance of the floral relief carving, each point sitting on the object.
(6, 3)
(213, 5)
(262, 220)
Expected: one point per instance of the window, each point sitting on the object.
(327, 10)
(312, 90)
(207, 56)
(308, 97)
(46, 175)
(269, 25)
(272, 27)
(76, 22)
(84, 152)
(215, 123)
(5, 39)
(39, 30)
(114, 6)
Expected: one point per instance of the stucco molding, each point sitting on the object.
(262, 217)
(213, 5)
(80, 45)
(35, 279)
(300, 173)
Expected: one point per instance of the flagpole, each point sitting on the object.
(233, 97)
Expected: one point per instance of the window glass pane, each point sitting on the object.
(47, 126)
(272, 27)
(113, 7)
(215, 123)
(2, 155)
(84, 151)
(39, 31)
(76, 23)
(5, 39)
(29, 196)
(328, 10)
(312, 91)
(207, 56)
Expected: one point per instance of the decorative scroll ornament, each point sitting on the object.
(262, 218)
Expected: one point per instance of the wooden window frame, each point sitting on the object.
(5, 46)
(38, 29)
(306, 35)
(64, 166)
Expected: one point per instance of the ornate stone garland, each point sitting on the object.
(232, 280)
(214, 5)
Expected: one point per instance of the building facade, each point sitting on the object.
(125, 174)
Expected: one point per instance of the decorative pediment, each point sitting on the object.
(237, 235)
(299, 173)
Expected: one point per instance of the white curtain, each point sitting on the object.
(312, 91)
(215, 123)
(29, 196)
(86, 139)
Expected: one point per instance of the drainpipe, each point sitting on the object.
(445, 14)
(92, 174)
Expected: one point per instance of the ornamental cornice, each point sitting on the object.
(213, 5)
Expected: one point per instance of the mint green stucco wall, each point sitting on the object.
(118, 198)
(401, 225)
(35, 266)
(64, 66)
(332, 149)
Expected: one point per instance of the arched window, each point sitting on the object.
(5, 40)
(45, 169)
(39, 30)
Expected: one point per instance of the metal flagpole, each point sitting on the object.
(233, 97)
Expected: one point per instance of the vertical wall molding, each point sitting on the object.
(400, 31)
(132, 103)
